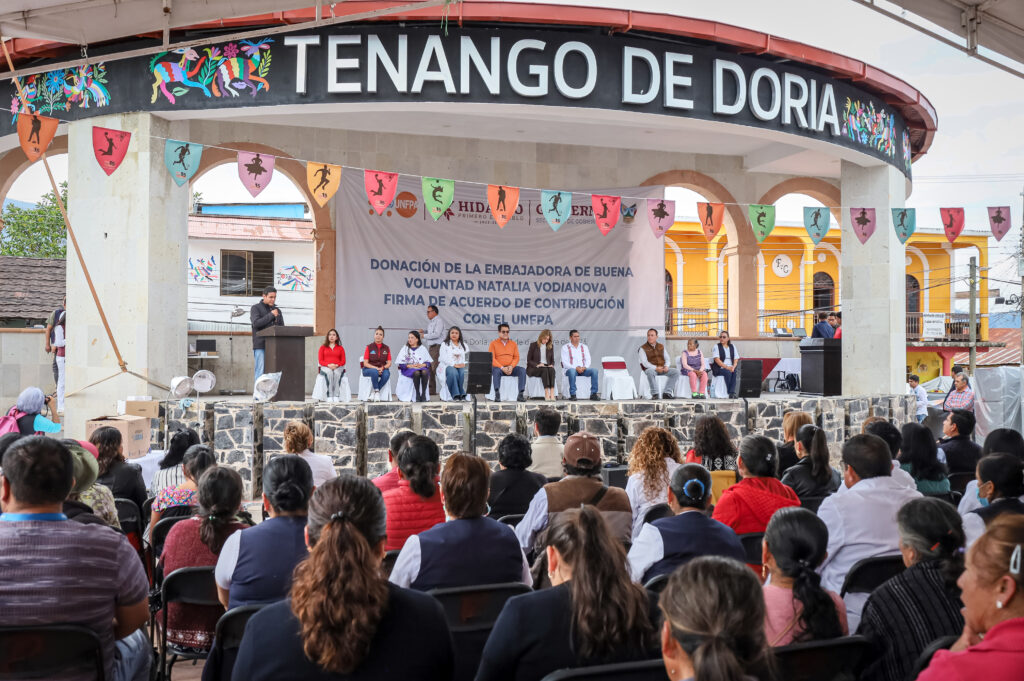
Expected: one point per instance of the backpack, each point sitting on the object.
(9, 422)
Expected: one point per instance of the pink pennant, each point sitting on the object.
(255, 170)
(380, 188)
(952, 222)
(863, 221)
(999, 219)
(110, 146)
(661, 213)
(606, 211)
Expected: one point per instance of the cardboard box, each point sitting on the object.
(132, 407)
(134, 432)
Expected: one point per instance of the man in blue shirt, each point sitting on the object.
(823, 329)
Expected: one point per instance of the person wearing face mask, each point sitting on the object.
(1000, 491)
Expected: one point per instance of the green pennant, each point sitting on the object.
(437, 195)
(762, 219)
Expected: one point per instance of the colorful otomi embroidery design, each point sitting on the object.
(875, 129)
(59, 90)
(221, 71)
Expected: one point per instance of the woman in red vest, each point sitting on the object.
(376, 363)
(415, 505)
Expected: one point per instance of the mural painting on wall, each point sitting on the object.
(906, 151)
(295, 278)
(202, 270)
(58, 90)
(876, 129)
(220, 71)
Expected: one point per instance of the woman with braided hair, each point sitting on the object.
(344, 620)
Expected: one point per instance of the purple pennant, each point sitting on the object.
(863, 220)
(999, 219)
(255, 170)
(661, 213)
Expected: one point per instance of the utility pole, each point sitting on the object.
(973, 320)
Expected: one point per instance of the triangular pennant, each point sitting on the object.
(863, 221)
(35, 133)
(816, 221)
(762, 219)
(380, 188)
(606, 211)
(323, 179)
(904, 221)
(504, 202)
(255, 170)
(952, 222)
(110, 146)
(182, 160)
(710, 215)
(437, 195)
(556, 206)
(661, 213)
(998, 219)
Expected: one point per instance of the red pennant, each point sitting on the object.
(606, 211)
(380, 188)
(952, 222)
(35, 133)
(999, 220)
(710, 215)
(110, 147)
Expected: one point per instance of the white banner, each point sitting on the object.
(933, 325)
(390, 267)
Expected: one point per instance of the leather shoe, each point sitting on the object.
(522, 397)
(572, 398)
(594, 397)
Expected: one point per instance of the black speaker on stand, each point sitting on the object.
(748, 382)
(478, 381)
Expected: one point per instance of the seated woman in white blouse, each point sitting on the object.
(453, 359)
(414, 363)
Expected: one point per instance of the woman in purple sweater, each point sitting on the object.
(692, 365)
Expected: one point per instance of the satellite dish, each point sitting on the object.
(181, 386)
(266, 386)
(203, 381)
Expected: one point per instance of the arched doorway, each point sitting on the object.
(824, 292)
(913, 294)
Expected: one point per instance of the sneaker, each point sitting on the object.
(668, 396)
(594, 397)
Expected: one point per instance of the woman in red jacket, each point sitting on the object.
(332, 365)
(748, 505)
(415, 505)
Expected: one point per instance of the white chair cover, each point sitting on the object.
(618, 384)
(509, 389)
(644, 386)
(366, 389)
(405, 390)
(443, 393)
(582, 386)
(344, 390)
(535, 387)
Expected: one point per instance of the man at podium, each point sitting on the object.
(263, 314)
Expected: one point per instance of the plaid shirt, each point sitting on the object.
(959, 400)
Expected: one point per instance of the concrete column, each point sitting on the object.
(874, 286)
(743, 289)
(132, 228)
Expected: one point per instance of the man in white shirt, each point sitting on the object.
(576, 362)
(655, 362)
(914, 381)
(433, 336)
(861, 521)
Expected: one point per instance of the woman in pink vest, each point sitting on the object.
(415, 505)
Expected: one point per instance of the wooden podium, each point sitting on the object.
(286, 352)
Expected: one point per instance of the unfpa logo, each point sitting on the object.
(405, 204)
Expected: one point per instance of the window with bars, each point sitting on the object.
(245, 273)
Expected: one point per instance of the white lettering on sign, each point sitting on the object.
(376, 54)
(672, 80)
(335, 64)
(491, 75)
(629, 93)
(540, 88)
(559, 74)
(301, 42)
(782, 265)
(723, 67)
(442, 74)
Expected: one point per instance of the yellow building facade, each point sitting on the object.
(796, 278)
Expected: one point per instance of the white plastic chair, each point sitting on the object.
(443, 393)
(644, 388)
(535, 387)
(405, 389)
(509, 389)
(344, 390)
(366, 389)
(582, 385)
(618, 384)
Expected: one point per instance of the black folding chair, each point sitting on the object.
(925, 658)
(958, 481)
(130, 517)
(657, 584)
(228, 639)
(389, 561)
(185, 586)
(812, 504)
(46, 651)
(645, 670)
(511, 520)
(831, 660)
(471, 612)
(752, 546)
(945, 496)
(868, 574)
(159, 535)
(657, 512)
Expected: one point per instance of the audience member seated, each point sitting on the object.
(546, 448)
(256, 567)
(592, 614)
(747, 506)
(712, 446)
(919, 456)
(60, 572)
(123, 479)
(893, 439)
(1000, 480)
(714, 623)
(390, 479)
(170, 473)
(30, 404)
(97, 497)
(797, 609)
(861, 521)
(513, 486)
(85, 468)
(792, 422)
(415, 504)
(298, 440)
(7, 441)
(992, 591)
(999, 441)
(582, 484)
(921, 604)
(811, 476)
(469, 549)
(356, 627)
(196, 542)
(654, 458)
(197, 459)
(667, 543)
(959, 452)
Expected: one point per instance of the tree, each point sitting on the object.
(35, 232)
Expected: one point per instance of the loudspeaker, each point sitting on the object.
(478, 379)
(748, 382)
